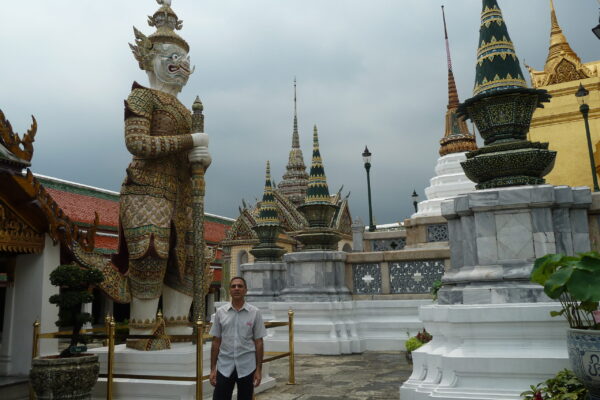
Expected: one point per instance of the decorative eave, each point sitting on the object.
(27, 206)
(562, 64)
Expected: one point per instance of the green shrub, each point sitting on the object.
(412, 344)
(564, 386)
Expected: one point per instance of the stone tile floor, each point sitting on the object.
(367, 376)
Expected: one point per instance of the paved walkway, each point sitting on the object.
(367, 376)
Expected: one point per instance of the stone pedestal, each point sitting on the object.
(492, 351)
(496, 235)
(493, 335)
(264, 279)
(315, 276)
(180, 360)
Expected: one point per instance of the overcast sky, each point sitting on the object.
(370, 72)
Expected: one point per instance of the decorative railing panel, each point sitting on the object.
(437, 233)
(415, 276)
(366, 278)
(388, 244)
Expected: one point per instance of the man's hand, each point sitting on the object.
(257, 378)
(213, 377)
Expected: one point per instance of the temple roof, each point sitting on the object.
(457, 137)
(295, 179)
(562, 63)
(497, 63)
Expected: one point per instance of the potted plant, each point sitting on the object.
(73, 373)
(575, 282)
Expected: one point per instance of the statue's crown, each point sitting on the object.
(166, 22)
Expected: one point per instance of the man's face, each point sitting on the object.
(237, 289)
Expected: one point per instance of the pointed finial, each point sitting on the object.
(267, 214)
(197, 116)
(318, 191)
(497, 66)
(295, 135)
(453, 100)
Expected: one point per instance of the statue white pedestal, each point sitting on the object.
(180, 360)
(485, 352)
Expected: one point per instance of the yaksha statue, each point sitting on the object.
(155, 242)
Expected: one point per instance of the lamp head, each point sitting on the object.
(582, 94)
(366, 156)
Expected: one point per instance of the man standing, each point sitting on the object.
(237, 347)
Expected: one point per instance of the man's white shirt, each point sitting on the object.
(237, 330)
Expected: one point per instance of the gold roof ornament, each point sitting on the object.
(166, 22)
(562, 63)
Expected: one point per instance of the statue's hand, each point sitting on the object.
(200, 139)
(200, 155)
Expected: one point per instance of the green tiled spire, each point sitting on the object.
(497, 63)
(318, 191)
(268, 210)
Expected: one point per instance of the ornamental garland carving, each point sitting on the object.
(20, 147)
(16, 236)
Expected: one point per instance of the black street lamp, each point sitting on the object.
(415, 198)
(582, 94)
(367, 160)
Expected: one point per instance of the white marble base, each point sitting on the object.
(485, 352)
(450, 180)
(180, 360)
(345, 327)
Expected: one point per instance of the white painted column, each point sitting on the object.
(27, 301)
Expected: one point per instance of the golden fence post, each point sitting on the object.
(36, 339)
(291, 378)
(199, 355)
(111, 356)
(34, 351)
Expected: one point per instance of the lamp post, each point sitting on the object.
(415, 198)
(367, 160)
(582, 95)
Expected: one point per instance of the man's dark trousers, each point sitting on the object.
(225, 385)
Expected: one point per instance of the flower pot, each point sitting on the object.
(64, 378)
(584, 354)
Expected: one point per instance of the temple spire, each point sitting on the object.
(295, 179)
(558, 42)
(295, 135)
(457, 137)
(268, 210)
(318, 190)
(452, 92)
(497, 63)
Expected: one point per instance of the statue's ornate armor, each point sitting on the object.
(155, 205)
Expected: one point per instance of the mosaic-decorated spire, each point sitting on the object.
(558, 41)
(497, 63)
(268, 210)
(295, 179)
(457, 137)
(318, 191)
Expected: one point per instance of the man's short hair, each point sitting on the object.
(240, 278)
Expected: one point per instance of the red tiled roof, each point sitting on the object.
(215, 232)
(80, 208)
(106, 242)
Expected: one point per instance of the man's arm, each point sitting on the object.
(214, 354)
(259, 358)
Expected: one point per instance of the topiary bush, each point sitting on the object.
(412, 344)
(74, 283)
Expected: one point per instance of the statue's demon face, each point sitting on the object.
(171, 65)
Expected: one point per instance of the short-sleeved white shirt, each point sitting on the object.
(237, 330)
